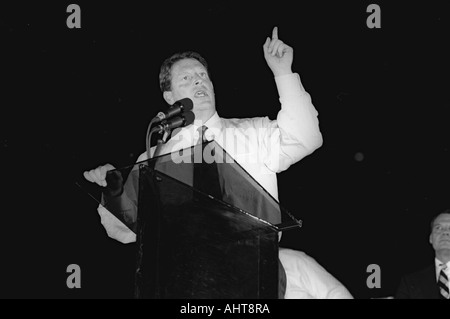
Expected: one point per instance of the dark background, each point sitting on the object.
(73, 99)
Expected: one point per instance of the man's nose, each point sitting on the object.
(198, 80)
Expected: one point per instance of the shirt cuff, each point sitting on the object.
(289, 84)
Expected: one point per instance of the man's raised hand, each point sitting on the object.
(278, 55)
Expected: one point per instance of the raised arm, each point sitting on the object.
(295, 133)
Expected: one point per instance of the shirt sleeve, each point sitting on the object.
(118, 214)
(307, 279)
(121, 224)
(295, 133)
(114, 227)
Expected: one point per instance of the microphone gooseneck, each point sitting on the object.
(186, 118)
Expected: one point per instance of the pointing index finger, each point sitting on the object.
(275, 33)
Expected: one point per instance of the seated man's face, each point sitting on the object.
(190, 79)
(440, 235)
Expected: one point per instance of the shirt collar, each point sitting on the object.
(439, 264)
(214, 125)
(189, 134)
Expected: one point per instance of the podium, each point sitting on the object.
(216, 240)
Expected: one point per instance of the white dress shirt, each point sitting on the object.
(307, 279)
(439, 266)
(263, 147)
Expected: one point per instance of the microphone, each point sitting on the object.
(183, 105)
(186, 118)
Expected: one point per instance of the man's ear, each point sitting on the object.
(168, 97)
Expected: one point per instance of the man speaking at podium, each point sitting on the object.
(270, 146)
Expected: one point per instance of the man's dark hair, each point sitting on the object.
(165, 75)
(447, 211)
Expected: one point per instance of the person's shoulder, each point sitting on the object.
(413, 285)
(142, 157)
(430, 269)
(293, 252)
(297, 256)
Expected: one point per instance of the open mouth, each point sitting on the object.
(200, 93)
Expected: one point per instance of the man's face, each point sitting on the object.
(440, 235)
(190, 79)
